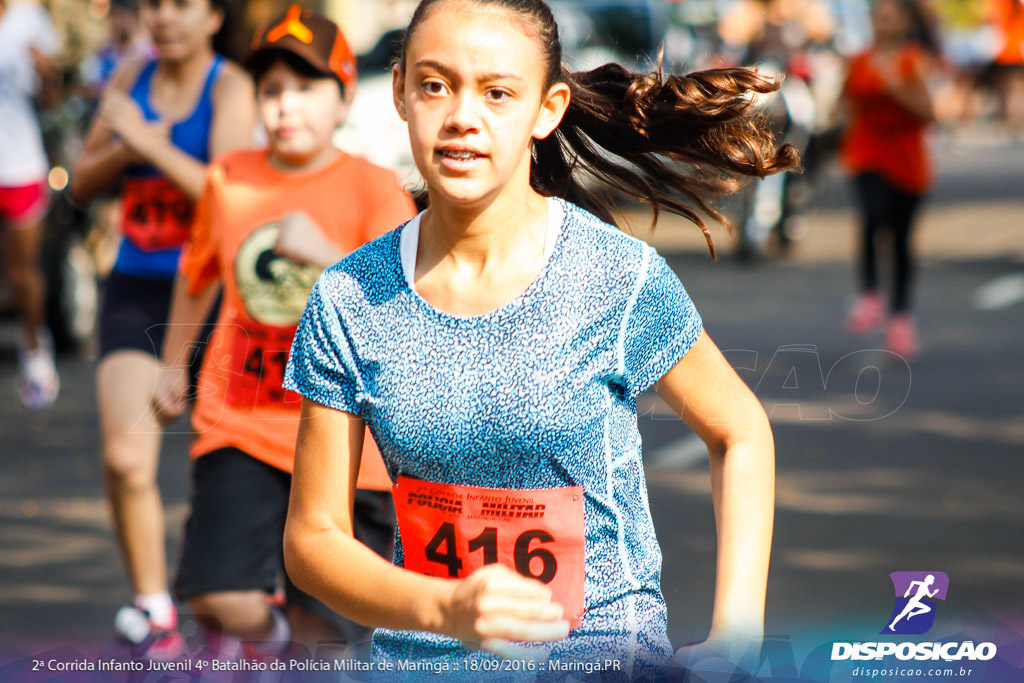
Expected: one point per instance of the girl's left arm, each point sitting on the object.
(706, 392)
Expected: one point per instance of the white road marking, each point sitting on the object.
(1002, 292)
(682, 453)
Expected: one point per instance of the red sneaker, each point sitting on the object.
(867, 314)
(901, 337)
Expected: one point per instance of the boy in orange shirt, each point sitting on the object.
(268, 222)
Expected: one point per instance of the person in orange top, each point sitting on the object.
(885, 149)
(267, 223)
(1008, 64)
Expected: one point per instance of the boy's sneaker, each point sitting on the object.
(867, 314)
(901, 336)
(152, 640)
(38, 382)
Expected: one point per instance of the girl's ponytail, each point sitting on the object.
(230, 41)
(671, 142)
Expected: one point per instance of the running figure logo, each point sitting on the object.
(914, 611)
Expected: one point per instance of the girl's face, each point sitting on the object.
(473, 92)
(180, 28)
(300, 113)
(890, 20)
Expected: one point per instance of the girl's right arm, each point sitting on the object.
(104, 156)
(487, 609)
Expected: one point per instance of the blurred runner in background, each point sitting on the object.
(160, 121)
(127, 40)
(268, 223)
(884, 148)
(1008, 65)
(28, 42)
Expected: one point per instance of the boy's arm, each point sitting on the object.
(188, 314)
(302, 240)
(195, 291)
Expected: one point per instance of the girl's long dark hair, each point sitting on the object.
(230, 39)
(672, 142)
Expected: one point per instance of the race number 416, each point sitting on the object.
(449, 531)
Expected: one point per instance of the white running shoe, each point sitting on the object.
(39, 384)
(155, 641)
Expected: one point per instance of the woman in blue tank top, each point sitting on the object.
(161, 121)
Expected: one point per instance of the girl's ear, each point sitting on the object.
(398, 90)
(552, 109)
(217, 17)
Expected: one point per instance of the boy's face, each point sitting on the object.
(300, 114)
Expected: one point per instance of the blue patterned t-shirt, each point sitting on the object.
(540, 393)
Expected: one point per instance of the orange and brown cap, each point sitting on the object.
(312, 37)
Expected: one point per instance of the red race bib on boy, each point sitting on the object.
(449, 531)
(259, 355)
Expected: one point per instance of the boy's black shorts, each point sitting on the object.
(234, 535)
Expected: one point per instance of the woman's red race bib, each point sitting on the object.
(449, 531)
(155, 213)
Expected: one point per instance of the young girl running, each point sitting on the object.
(496, 345)
(885, 149)
(28, 42)
(159, 124)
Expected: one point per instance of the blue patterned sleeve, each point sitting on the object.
(321, 365)
(659, 327)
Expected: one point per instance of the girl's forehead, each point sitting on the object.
(461, 20)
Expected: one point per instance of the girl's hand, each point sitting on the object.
(168, 400)
(887, 68)
(122, 116)
(495, 605)
(44, 64)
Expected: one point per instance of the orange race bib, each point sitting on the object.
(450, 531)
(259, 356)
(155, 213)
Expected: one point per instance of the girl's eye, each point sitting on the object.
(498, 96)
(434, 88)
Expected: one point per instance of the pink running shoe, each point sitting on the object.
(867, 314)
(901, 336)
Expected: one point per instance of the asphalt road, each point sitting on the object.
(883, 466)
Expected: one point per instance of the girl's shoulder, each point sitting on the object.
(233, 82)
(599, 247)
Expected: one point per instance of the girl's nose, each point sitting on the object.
(463, 115)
